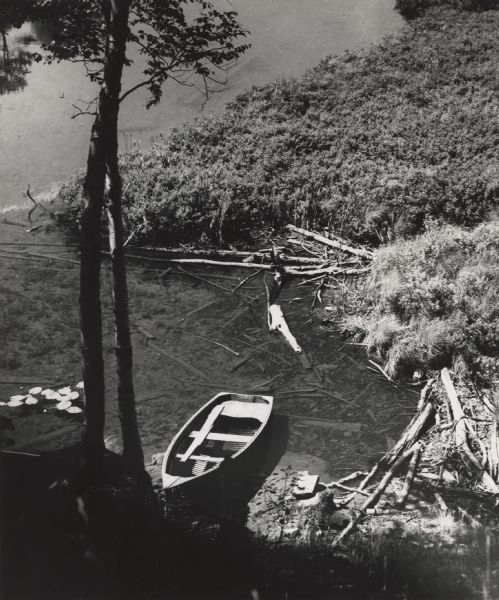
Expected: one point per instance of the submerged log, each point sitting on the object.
(178, 360)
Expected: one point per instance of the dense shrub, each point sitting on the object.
(434, 301)
(375, 145)
(414, 8)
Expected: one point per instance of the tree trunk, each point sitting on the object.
(117, 19)
(90, 305)
(132, 448)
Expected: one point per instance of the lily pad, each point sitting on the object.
(63, 405)
(17, 397)
(35, 390)
(14, 403)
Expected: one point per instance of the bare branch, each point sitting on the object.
(136, 87)
(84, 111)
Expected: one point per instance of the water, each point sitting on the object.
(41, 144)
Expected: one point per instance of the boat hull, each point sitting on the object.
(216, 441)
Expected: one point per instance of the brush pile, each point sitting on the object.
(448, 451)
(303, 254)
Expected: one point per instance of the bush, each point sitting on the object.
(414, 8)
(434, 302)
(375, 145)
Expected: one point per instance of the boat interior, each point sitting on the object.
(216, 434)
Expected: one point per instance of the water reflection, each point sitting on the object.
(15, 63)
(42, 145)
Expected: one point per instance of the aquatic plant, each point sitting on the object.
(376, 145)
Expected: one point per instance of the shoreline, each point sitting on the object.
(436, 546)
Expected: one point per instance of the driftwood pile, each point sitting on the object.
(297, 257)
(449, 449)
(283, 261)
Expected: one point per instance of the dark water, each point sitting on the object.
(41, 144)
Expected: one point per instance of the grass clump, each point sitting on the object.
(372, 144)
(434, 301)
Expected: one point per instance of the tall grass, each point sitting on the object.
(434, 301)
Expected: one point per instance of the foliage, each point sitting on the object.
(177, 39)
(13, 13)
(414, 8)
(434, 302)
(375, 145)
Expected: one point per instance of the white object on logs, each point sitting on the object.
(278, 323)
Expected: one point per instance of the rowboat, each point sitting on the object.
(214, 437)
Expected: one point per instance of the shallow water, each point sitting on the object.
(42, 145)
(177, 371)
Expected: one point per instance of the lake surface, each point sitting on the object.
(42, 145)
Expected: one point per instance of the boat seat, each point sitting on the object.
(216, 459)
(226, 437)
(202, 433)
(230, 408)
(245, 410)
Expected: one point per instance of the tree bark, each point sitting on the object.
(90, 304)
(117, 19)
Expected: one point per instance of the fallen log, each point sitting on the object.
(347, 488)
(177, 360)
(220, 287)
(148, 335)
(411, 472)
(376, 494)
(410, 435)
(332, 243)
(327, 423)
(363, 484)
(325, 271)
(408, 439)
(223, 255)
(280, 358)
(213, 342)
(201, 261)
(494, 449)
(246, 279)
(198, 309)
(297, 271)
(244, 360)
(186, 253)
(462, 427)
(338, 397)
(425, 394)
